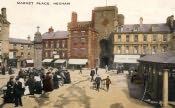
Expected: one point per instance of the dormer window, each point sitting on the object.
(120, 29)
(136, 28)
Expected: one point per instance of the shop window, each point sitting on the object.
(144, 37)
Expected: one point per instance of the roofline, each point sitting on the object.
(164, 32)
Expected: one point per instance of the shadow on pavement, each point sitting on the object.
(78, 94)
(117, 105)
(80, 81)
(1, 105)
(75, 94)
(42, 101)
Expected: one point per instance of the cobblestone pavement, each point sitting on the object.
(80, 94)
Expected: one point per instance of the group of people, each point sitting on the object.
(4, 69)
(97, 80)
(33, 81)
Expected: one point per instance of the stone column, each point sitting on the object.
(165, 88)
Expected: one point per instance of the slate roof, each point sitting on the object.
(19, 41)
(55, 35)
(167, 57)
(145, 28)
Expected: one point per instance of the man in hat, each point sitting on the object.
(98, 81)
(92, 74)
(108, 82)
(18, 91)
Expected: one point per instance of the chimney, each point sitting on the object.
(74, 19)
(51, 29)
(93, 18)
(141, 20)
(3, 12)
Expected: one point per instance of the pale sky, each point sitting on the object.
(25, 18)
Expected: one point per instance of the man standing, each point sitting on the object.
(80, 69)
(10, 70)
(108, 82)
(106, 67)
(96, 69)
(92, 74)
(18, 91)
(98, 81)
(3, 69)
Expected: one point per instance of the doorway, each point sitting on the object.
(105, 53)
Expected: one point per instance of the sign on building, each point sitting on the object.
(11, 55)
(56, 56)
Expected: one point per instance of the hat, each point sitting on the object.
(16, 78)
(11, 77)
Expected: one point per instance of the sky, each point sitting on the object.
(25, 18)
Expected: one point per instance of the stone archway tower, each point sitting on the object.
(38, 49)
(105, 20)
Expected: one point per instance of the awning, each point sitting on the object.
(78, 61)
(47, 60)
(126, 58)
(60, 61)
(29, 61)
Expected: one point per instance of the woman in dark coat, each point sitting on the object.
(9, 96)
(55, 81)
(48, 83)
(38, 85)
(31, 83)
(3, 70)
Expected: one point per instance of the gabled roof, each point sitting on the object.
(55, 35)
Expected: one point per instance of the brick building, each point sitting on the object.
(55, 46)
(82, 42)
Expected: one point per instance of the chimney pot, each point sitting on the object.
(3, 12)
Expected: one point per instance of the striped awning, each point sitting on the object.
(60, 61)
(78, 61)
(47, 60)
(29, 61)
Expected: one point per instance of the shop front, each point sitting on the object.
(77, 63)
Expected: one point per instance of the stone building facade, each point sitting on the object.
(140, 39)
(4, 36)
(105, 19)
(20, 51)
(82, 43)
(55, 45)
